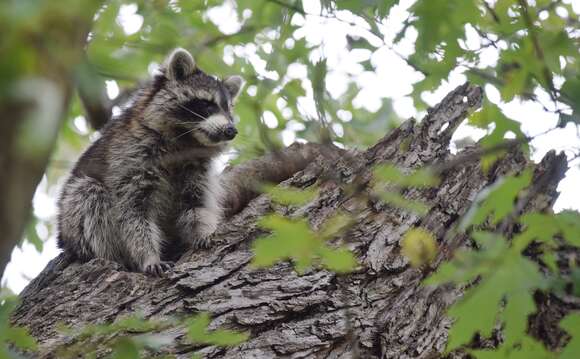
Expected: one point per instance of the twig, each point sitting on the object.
(224, 37)
(290, 7)
(486, 36)
(502, 146)
(499, 82)
(492, 12)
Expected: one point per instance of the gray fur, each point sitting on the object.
(145, 191)
(179, 65)
(234, 84)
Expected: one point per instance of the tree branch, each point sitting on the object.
(319, 313)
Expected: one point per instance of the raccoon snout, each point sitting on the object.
(230, 132)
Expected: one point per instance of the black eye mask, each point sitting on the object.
(195, 110)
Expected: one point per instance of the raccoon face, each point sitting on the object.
(197, 104)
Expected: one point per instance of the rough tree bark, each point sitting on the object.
(379, 311)
(32, 109)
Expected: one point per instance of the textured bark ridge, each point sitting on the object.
(381, 311)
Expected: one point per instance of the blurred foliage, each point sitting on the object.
(197, 333)
(288, 95)
(391, 183)
(293, 239)
(420, 246)
(497, 200)
(506, 279)
(11, 337)
(422, 178)
(288, 195)
(504, 275)
(134, 336)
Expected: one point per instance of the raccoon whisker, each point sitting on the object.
(187, 109)
(185, 123)
(192, 112)
(185, 133)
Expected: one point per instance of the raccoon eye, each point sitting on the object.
(199, 107)
(209, 105)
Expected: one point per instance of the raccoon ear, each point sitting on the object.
(179, 64)
(234, 85)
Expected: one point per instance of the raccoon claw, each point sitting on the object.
(201, 243)
(158, 269)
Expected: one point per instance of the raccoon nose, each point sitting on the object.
(230, 132)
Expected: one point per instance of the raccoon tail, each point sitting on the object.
(241, 182)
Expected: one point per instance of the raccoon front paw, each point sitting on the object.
(158, 269)
(201, 242)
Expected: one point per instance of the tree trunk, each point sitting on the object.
(380, 311)
(34, 109)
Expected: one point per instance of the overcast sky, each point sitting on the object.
(393, 78)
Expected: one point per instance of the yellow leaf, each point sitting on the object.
(419, 246)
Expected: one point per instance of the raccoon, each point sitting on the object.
(146, 189)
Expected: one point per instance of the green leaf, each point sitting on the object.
(528, 348)
(544, 228)
(125, 348)
(468, 265)
(571, 91)
(227, 338)
(384, 7)
(477, 312)
(492, 114)
(289, 195)
(518, 66)
(293, 239)
(498, 200)
(514, 279)
(197, 326)
(134, 323)
(197, 332)
(550, 260)
(441, 21)
(334, 225)
(290, 239)
(515, 316)
(538, 226)
(17, 336)
(569, 223)
(531, 349)
(571, 324)
(339, 260)
(399, 201)
(20, 338)
(354, 5)
(317, 74)
(504, 275)
(485, 354)
(294, 89)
